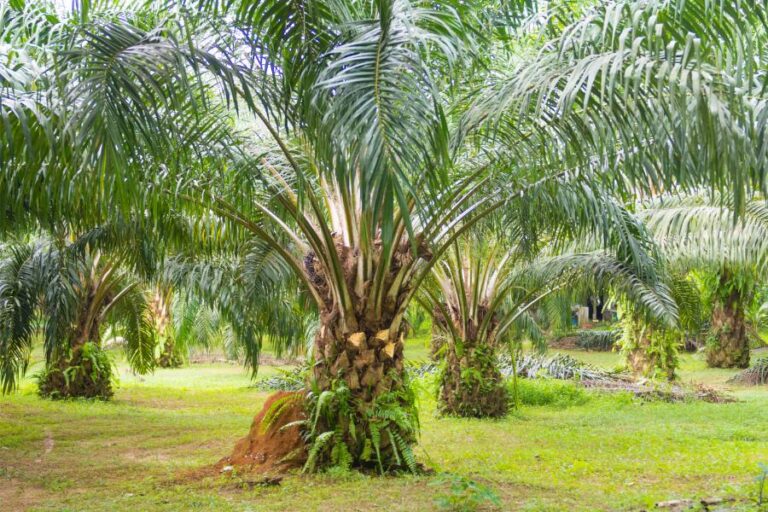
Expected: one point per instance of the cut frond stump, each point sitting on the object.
(274, 444)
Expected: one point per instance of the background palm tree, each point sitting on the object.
(700, 232)
(482, 293)
(76, 293)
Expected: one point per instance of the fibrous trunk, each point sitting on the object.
(160, 307)
(87, 373)
(373, 415)
(168, 357)
(471, 385)
(439, 329)
(727, 342)
(83, 371)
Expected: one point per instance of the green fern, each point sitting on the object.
(276, 411)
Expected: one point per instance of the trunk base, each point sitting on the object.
(727, 341)
(168, 358)
(361, 409)
(88, 374)
(473, 387)
(269, 448)
(649, 352)
(734, 355)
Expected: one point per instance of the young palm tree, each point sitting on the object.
(369, 179)
(483, 292)
(76, 293)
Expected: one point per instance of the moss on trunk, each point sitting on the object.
(649, 351)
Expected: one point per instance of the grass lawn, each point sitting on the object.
(585, 452)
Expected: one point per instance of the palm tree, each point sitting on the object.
(484, 295)
(700, 232)
(369, 179)
(77, 293)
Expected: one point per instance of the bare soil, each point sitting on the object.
(275, 450)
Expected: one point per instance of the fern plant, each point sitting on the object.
(336, 437)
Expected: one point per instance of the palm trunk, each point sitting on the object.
(727, 342)
(649, 351)
(369, 364)
(439, 328)
(471, 385)
(160, 308)
(640, 360)
(168, 357)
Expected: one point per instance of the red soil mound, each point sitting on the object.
(271, 448)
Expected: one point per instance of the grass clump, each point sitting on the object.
(557, 393)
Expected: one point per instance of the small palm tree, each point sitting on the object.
(76, 293)
(483, 295)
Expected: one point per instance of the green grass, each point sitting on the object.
(575, 451)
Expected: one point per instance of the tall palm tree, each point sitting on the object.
(76, 293)
(369, 178)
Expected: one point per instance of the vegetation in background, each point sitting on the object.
(699, 235)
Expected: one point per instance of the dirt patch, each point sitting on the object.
(271, 446)
(16, 495)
